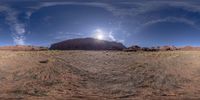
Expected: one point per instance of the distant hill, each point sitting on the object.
(162, 48)
(87, 44)
(22, 48)
(190, 48)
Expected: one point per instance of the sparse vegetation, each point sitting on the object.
(99, 75)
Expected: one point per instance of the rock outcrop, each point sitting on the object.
(161, 48)
(168, 48)
(150, 49)
(23, 48)
(138, 48)
(133, 48)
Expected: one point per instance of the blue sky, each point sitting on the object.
(132, 22)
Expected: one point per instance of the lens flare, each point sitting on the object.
(99, 34)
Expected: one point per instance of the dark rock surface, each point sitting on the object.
(133, 48)
(87, 44)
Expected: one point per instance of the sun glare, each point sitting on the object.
(99, 34)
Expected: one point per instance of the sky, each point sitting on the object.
(131, 22)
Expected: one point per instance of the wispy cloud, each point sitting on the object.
(67, 35)
(111, 36)
(16, 26)
(171, 19)
(136, 9)
(132, 9)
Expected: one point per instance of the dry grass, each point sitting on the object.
(88, 75)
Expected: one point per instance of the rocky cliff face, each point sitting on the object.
(87, 44)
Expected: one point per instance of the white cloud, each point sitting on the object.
(111, 36)
(124, 8)
(67, 35)
(17, 27)
(170, 19)
(117, 8)
(29, 14)
(121, 41)
(20, 40)
(106, 35)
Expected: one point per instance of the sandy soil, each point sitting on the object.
(100, 75)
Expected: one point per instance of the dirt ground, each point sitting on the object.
(99, 75)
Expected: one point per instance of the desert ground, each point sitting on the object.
(99, 75)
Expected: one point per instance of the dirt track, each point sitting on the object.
(101, 75)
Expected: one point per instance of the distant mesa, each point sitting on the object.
(87, 44)
(184, 48)
(168, 48)
(23, 48)
(190, 48)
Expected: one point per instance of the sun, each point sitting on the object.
(99, 34)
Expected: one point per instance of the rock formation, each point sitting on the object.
(87, 44)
